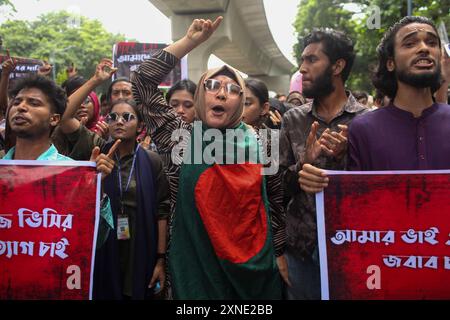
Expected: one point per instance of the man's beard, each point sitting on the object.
(322, 85)
(425, 80)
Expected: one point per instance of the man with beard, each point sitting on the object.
(412, 132)
(315, 133)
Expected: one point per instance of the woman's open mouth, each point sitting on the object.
(218, 110)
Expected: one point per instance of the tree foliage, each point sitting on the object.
(336, 14)
(60, 38)
(7, 3)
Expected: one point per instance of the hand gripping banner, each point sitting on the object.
(385, 235)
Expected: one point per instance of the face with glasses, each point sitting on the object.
(123, 122)
(222, 99)
(86, 110)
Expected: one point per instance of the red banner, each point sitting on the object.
(48, 221)
(385, 235)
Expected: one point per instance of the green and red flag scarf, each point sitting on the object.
(221, 242)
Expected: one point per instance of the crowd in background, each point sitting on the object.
(213, 231)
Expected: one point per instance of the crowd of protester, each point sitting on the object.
(218, 231)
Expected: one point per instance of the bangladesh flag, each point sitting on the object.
(221, 242)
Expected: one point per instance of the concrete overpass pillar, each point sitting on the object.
(243, 40)
(279, 84)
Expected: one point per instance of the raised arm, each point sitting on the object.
(199, 31)
(103, 72)
(161, 121)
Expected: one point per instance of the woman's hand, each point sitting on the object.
(200, 30)
(104, 70)
(159, 275)
(104, 163)
(102, 129)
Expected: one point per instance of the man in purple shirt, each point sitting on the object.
(412, 132)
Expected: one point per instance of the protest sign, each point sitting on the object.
(385, 235)
(127, 56)
(49, 215)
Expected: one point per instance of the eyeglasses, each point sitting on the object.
(213, 85)
(114, 117)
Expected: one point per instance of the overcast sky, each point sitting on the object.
(140, 20)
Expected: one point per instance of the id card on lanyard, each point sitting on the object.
(123, 223)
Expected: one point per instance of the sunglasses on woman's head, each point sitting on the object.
(114, 117)
(213, 85)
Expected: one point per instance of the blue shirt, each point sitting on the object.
(51, 154)
(393, 139)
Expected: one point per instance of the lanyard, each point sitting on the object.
(129, 176)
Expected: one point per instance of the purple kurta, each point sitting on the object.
(392, 139)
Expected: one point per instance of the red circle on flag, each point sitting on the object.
(229, 200)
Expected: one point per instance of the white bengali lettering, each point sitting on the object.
(47, 219)
(432, 263)
(412, 236)
(411, 262)
(369, 236)
(27, 247)
(5, 223)
(363, 236)
(341, 236)
(392, 261)
(430, 235)
(53, 248)
(389, 237)
(133, 57)
(11, 248)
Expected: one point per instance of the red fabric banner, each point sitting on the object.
(385, 236)
(48, 218)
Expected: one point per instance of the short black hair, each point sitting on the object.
(184, 84)
(383, 79)
(132, 104)
(259, 89)
(55, 94)
(72, 84)
(336, 45)
(109, 92)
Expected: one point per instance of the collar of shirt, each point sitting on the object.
(408, 115)
(50, 154)
(352, 106)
